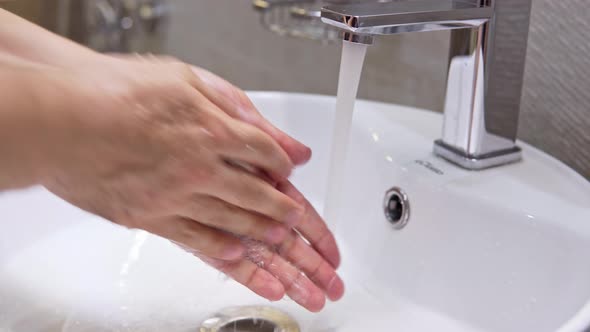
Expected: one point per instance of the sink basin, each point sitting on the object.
(504, 249)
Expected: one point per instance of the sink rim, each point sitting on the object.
(307, 96)
(580, 320)
(537, 151)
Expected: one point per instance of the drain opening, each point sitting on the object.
(249, 325)
(396, 207)
(250, 319)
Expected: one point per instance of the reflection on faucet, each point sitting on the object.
(460, 78)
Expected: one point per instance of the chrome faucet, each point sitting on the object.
(486, 64)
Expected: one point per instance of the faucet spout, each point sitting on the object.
(386, 18)
(486, 66)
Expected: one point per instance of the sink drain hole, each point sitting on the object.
(250, 319)
(396, 207)
(249, 325)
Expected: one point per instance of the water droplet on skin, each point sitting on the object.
(255, 251)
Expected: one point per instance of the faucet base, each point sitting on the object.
(476, 162)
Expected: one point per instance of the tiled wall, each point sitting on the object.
(556, 100)
(226, 37)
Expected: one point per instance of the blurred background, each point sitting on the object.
(227, 37)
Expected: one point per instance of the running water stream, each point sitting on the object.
(351, 67)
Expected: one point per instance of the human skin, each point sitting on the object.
(155, 144)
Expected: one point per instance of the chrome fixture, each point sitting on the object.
(297, 18)
(396, 206)
(250, 318)
(488, 45)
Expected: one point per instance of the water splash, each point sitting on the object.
(260, 254)
(255, 251)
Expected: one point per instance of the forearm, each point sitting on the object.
(24, 39)
(31, 123)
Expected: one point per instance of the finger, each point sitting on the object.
(216, 213)
(249, 192)
(250, 275)
(197, 237)
(296, 284)
(312, 226)
(236, 103)
(257, 172)
(299, 153)
(253, 146)
(238, 140)
(315, 267)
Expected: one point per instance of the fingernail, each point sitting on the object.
(306, 156)
(233, 252)
(317, 302)
(294, 217)
(335, 289)
(276, 290)
(276, 234)
(270, 288)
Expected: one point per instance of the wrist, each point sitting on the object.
(36, 123)
(23, 131)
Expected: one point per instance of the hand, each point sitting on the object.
(316, 262)
(150, 145)
(147, 144)
(239, 106)
(151, 150)
(306, 273)
(234, 102)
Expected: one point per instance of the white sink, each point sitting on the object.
(505, 249)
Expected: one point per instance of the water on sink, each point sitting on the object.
(351, 66)
(100, 277)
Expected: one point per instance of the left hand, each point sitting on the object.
(304, 272)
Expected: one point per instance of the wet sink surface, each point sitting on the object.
(499, 250)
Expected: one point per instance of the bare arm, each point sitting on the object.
(29, 122)
(24, 39)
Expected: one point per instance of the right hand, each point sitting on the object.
(148, 145)
(143, 146)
